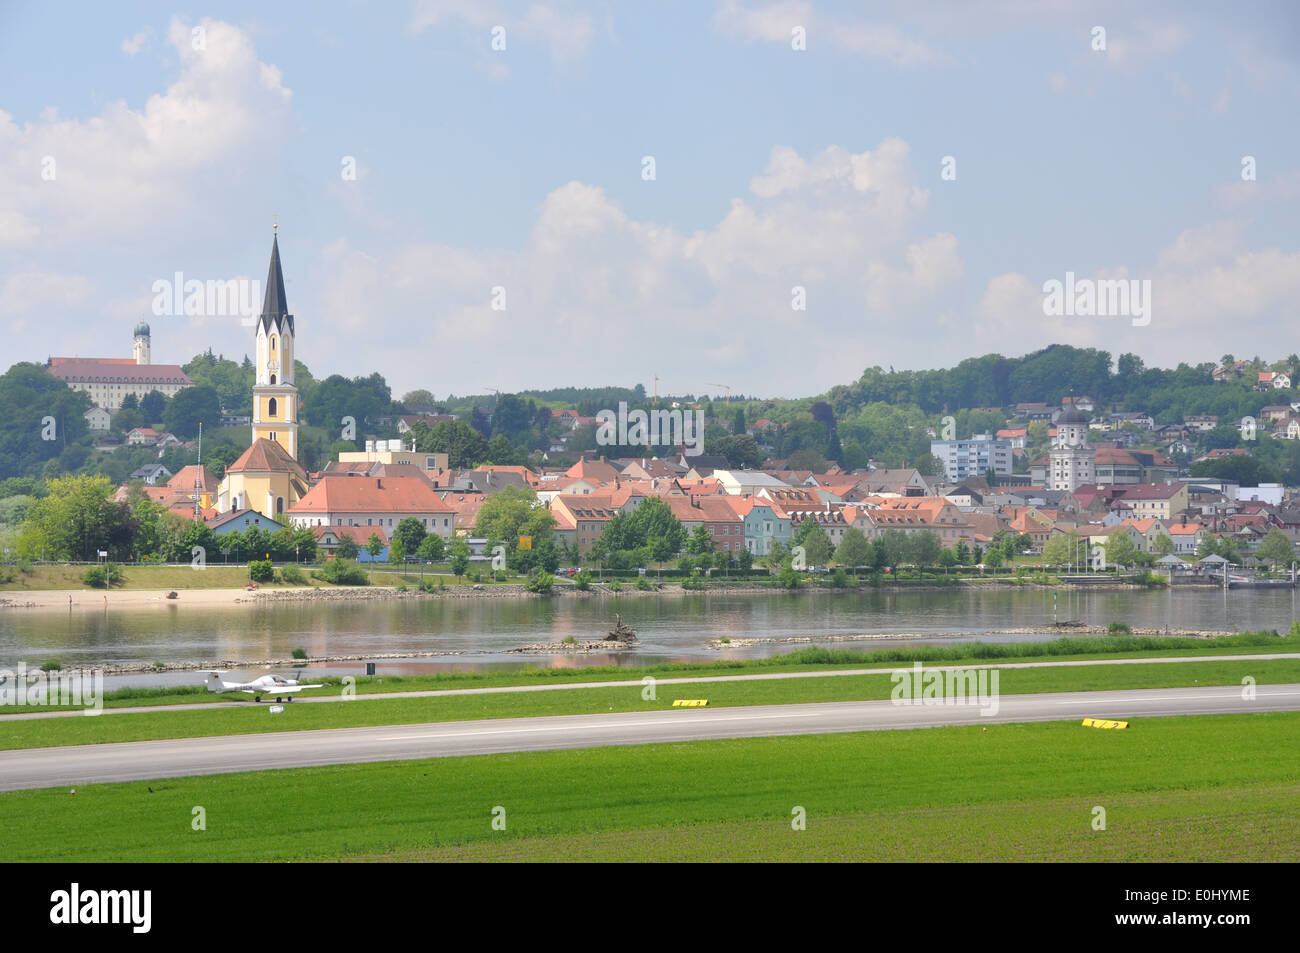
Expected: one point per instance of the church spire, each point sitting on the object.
(275, 306)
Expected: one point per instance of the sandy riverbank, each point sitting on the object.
(86, 599)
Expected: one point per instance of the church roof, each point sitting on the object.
(1072, 416)
(275, 306)
(267, 456)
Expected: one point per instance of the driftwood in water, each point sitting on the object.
(621, 632)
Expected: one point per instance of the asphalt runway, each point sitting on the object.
(243, 700)
(142, 760)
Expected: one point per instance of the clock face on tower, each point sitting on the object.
(272, 365)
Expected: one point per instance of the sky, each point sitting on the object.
(766, 196)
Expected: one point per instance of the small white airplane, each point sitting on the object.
(273, 686)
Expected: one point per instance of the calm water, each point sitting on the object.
(671, 628)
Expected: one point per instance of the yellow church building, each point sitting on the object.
(267, 477)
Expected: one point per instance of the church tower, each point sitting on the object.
(140, 344)
(275, 398)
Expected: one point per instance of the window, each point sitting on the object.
(271, 405)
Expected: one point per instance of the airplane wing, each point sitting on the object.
(286, 689)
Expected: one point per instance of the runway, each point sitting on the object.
(244, 700)
(142, 760)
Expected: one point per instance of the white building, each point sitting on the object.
(1072, 462)
(975, 457)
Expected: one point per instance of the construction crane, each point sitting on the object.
(726, 387)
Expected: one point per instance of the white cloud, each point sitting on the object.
(134, 44)
(594, 289)
(776, 22)
(31, 292)
(567, 35)
(128, 172)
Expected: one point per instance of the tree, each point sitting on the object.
(700, 542)
(152, 406)
(75, 520)
(742, 451)
(514, 514)
(432, 548)
(1061, 548)
(459, 556)
(189, 408)
(40, 418)
(924, 548)
(854, 549)
(745, 561)
(816, 544)
(409, 535)
(894, 547)
(374, 545)
(1120, 550)
(1275, 548)
(1164, 545)
(463, 445)
(347, 548)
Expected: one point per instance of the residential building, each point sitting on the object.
(347, 500)
(977, 456)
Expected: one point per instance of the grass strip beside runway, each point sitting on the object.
(1219, 787)
(254, 718)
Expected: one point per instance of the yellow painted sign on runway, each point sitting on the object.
(1103, 723)
(690, 702)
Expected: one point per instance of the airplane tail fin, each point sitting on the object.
(214, 682)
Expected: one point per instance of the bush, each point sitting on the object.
(582, 581)
(53, 665)
(261, 570)
(1119, 628)
(293, 574)
(342, 572)
(693, 584)
(539, 581)
(644, 584)
(615, 586)
(839, 579)
(100, 577)
(300, 653)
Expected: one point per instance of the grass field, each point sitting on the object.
(398, 711)
(1208, 788)
(814, 658)
(215, 576)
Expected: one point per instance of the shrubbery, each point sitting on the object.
(100, 577)
(342, 572)
(582, 581)
(261, 570)
(539, 581)
(294, 575)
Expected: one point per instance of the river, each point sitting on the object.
(477, 632)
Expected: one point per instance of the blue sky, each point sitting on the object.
(521, 169)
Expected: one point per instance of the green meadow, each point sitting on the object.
(1207, 788)
(252, 717)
